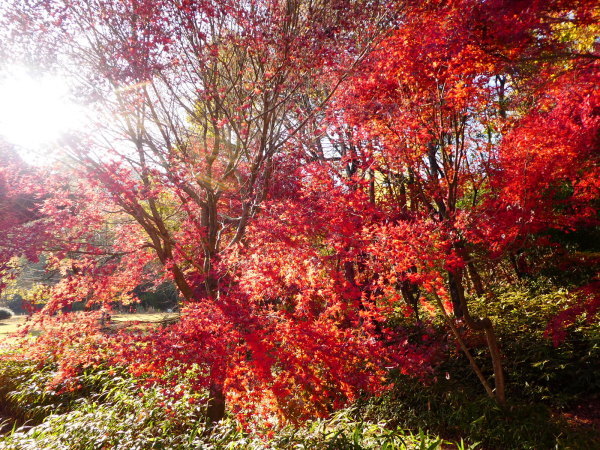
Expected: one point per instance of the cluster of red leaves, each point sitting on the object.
(275, 363)
(19, 198)
(587, 309)
(549, 179)
(73, 342)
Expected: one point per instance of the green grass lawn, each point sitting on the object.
(10, 326)
(142, 317)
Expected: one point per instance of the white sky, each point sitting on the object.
(35, 111)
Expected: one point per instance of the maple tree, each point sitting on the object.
(437, 128)
(302, 171)
(205, 97)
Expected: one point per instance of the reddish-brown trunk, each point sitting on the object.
(215, 410)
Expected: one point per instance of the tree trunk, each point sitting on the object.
(410, 294)
(476, 279)
(519, 265)
(456, 296)
(215, 410)
(485, 325)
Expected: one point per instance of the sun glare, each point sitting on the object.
(35, 111)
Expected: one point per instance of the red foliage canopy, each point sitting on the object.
(305, 174)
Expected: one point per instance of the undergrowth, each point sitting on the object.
(111, 409)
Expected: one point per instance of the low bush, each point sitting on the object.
(537, 369)
(111, 410)
(455, 409)
(5, 313)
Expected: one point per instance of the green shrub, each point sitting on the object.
(113, 411)
(139, 424)
(5, 313)
(23, 394)
(109, 411)
(535, 368)
(346, 430)
(456, 409)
